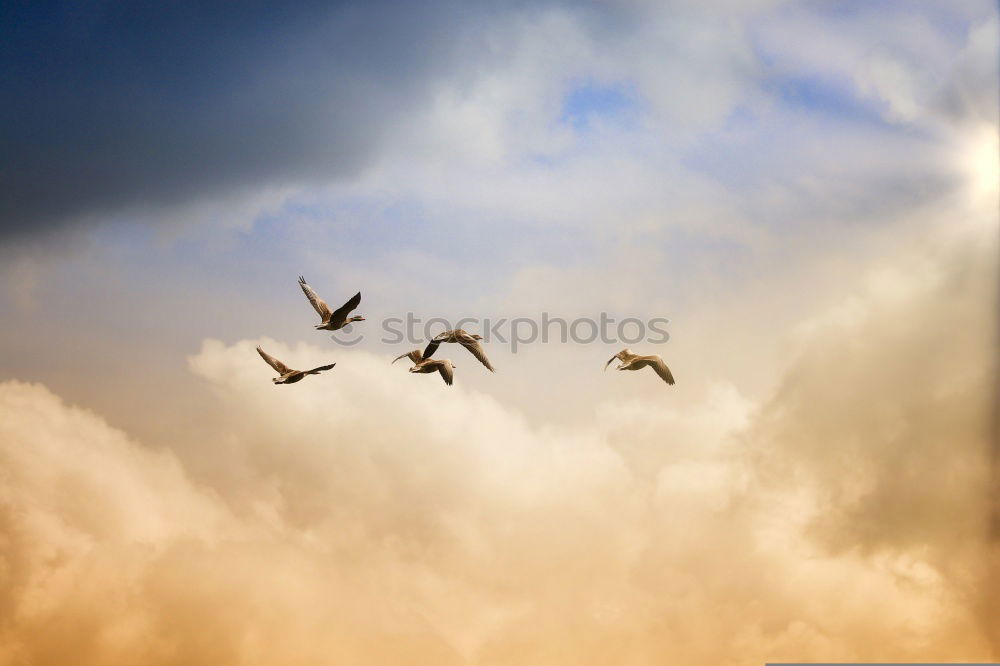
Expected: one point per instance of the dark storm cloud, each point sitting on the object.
(108, 105)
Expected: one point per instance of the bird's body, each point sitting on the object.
(468, 340)
(332, 320)
(423, 365)
(285, 374)
(630, 361)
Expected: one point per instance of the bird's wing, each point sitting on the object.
(624, 356)
(657, 364)
(447, 371)
(431, 347)
(322, 368)
(412, 355)
(345, 309)
(477, 350)
(318, 303)
(278, 366)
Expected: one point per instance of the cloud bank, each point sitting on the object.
(375, 517)
(109, 107)
(156, 112)
(128, 112)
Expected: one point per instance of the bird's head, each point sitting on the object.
(356, 318)
(476, 336)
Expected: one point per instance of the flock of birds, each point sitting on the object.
(423, 363)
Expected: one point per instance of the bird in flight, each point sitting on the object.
(286, 374)
(333, 320)
(427, 365)
(469, 341)
(630, 361)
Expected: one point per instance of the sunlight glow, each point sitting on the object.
(980, 158)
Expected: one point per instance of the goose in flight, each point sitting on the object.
(333, 320)
(427, 365)
(287, 375)
(469, 341)
(630, 361)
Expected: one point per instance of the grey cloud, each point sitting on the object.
(111, 108)
(112, 105)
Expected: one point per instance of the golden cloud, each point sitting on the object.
(372, 517)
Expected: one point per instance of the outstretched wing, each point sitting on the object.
(412, 355)
(477, 350)
(341, 313)
(447, 371)
(444, 336)
(657, 364)
(322, 368)
(318, 303)
(623, 356)
(278, 366)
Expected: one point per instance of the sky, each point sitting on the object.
(808, 192)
